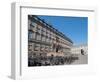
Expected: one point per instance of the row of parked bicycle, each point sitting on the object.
(50, 60)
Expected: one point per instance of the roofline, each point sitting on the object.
(52, 28)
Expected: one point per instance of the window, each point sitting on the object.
(38, 30)
(29, 22)
(33, 35)
(30, 35)
(37, 47)
(30, 47)
(42, 47)
(38, 37)
(33, 24)
(50, 40)
(43, 38)
(46, 48)
(51, 49)
(44, 31)
(47, 40)
(48, 33)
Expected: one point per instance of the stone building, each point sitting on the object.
(80, 49)
(45, 40)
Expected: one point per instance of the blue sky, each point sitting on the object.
(76, 28)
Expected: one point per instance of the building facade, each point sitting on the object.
(80, 49)
(45, 40)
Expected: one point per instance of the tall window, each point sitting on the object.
(30, 46)
(47, 48)
(38, 37)
(37, 47)
(30, 36)
(33, 24)
(42, 47)
(29, 22)
(44, 31)
(38, 30)
(43, 38)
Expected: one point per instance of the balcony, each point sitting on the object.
(39, 42)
